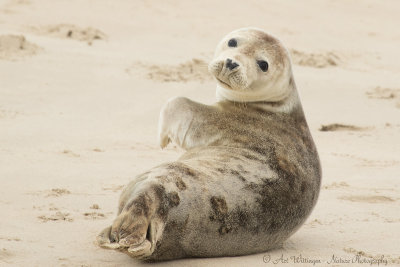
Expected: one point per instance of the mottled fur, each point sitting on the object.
(248, 180)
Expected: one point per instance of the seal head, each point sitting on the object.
(251, 66)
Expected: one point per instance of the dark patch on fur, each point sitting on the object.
(230, 221)
(251, 157)
(166, 201)
(180, 183)
(124, 198)
(238, 175)
(241, 218)
(219, 206)
(258, 150)
(140, 206)
(173, 199)
(182, 168)
(267, 38)
(279, 196)
(287, 170)
(162, 178)
(220, 210)
(221, 170)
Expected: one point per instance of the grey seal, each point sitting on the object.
(250, 175)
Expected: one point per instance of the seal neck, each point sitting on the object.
(274, 100)
(238, 96)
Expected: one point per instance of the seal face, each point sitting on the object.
(250, 175)
(251, 66)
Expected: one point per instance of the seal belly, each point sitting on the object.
(235, 202)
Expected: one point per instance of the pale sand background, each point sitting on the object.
(78, 117)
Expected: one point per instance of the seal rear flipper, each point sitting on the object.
(139, 241)
(103, 239)
(147, 247)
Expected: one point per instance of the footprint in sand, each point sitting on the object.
(192, 70)
(11, 6)
(340, 127)
(368, 199)
(57, 192)
(14, 47)
(315, 60)
(58, 216)
(69, 31)
(70, 153)
(335, 185)
(368, 162)
(385, 94)
(384, 219)
(94, 215)
(10, 238)
(5, 255)
(314, 223)
(8, 113)
(114, 188)
(54, 192)
(94, 207)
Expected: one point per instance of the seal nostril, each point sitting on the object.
(230, 64)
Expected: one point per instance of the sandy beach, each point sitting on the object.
(82, 84)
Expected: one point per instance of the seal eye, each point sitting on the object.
(263, 65)
(232, 43)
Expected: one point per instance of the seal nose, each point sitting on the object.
(230, 64)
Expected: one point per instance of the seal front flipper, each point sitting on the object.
(181, 121)
(174, 122)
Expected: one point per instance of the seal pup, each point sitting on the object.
(250, 175)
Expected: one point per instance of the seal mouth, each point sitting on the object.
(224, 84)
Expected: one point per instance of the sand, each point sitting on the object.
(82, 83)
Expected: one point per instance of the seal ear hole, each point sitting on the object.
(232, 42)
(263, 65)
